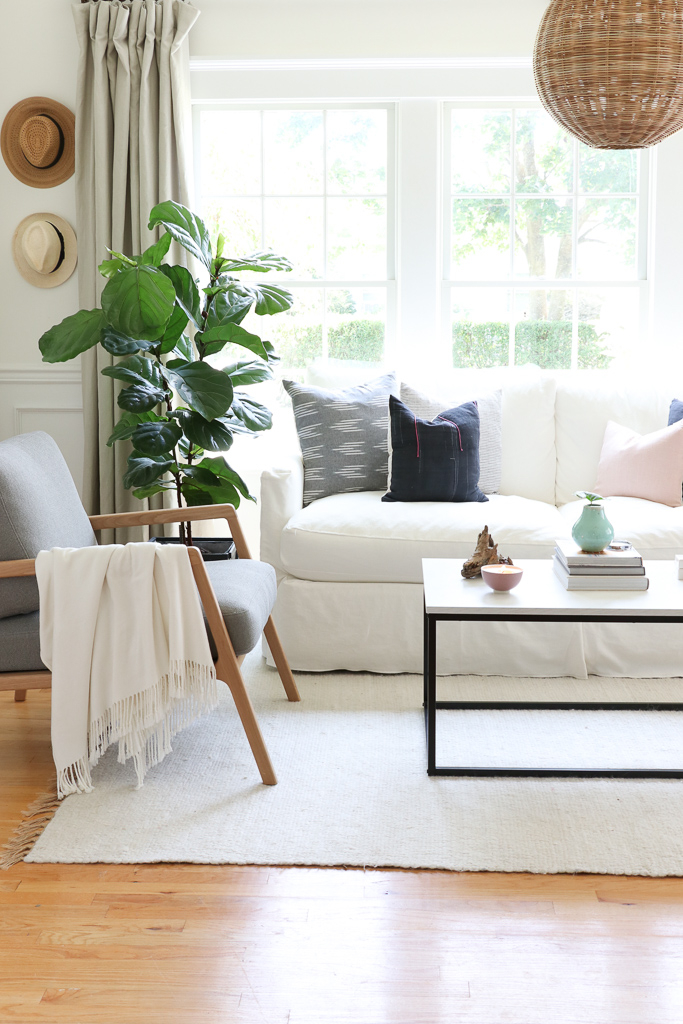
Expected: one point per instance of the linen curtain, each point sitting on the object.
(133, 150)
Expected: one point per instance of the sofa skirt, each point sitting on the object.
(377, 627)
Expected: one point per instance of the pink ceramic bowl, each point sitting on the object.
(501, 577)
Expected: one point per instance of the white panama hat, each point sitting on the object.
(45, 249)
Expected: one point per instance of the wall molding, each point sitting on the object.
(39, 375)
(19, 411)
(357, 63)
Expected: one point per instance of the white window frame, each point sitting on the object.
(639, 282)
(325, 284)
(420, 87)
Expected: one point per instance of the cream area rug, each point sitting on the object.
(353, 788)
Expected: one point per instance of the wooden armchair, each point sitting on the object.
(226, 601)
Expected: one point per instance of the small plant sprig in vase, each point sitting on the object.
(180, 412)
(592, 531)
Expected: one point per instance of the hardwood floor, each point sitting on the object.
(186, 944)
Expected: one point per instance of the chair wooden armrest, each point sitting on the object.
(119, 520)
(18, 567)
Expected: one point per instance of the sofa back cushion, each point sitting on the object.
(39, 509)
(584, 405)
(528, 422)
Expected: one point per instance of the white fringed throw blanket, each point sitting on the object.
(121, 628)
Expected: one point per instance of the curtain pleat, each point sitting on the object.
(133, 150)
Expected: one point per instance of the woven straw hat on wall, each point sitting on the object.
(38, 142)
(611, 71)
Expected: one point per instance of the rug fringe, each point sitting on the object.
(38, 816)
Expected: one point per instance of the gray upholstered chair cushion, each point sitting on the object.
(39, 509)
(246, 592)
(20, 644)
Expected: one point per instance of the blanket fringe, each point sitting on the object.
(145, 723)
(38, 816)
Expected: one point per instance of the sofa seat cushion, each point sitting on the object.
(357, 537)
(656, 531)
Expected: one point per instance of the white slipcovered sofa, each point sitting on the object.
(349, 565)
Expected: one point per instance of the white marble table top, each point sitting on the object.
(540, 592)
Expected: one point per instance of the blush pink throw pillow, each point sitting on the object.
(646, 466)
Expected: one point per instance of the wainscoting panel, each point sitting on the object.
(45, 399)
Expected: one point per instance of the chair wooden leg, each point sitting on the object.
(280, 659)
(228, 670)
(20, 695)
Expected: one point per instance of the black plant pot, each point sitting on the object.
(213, 549)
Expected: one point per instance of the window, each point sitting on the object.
(313, 183)
(545, 243)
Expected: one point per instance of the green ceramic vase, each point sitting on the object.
(593, 531)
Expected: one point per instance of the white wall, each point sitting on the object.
(366, 28)
(38, 56)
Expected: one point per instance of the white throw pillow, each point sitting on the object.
(490, 405)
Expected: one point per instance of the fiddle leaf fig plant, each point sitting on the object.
(161, 324)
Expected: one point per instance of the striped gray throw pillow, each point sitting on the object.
(343, 436)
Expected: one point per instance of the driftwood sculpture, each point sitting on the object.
(485, 553)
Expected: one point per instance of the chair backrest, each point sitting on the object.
(39, 509)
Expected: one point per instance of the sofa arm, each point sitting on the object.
(282, 489)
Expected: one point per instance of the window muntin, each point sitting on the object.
(314, 183)
(558, 223)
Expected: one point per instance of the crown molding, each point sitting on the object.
(358, 63)
(39, 375)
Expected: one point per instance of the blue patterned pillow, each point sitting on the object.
(675, 412)
(343, 436)
(434, 460)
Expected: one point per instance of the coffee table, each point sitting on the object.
(539, 597)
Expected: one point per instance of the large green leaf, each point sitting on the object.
(213, 435)
(201, 476)
(174, 331)
(186, 292)
(194, 495)
(183, 349)
(140, 398)
(118, 344)
(186, 228)
(157, 438)
(251, 413)
(271, 299)
(155, 254)
(128, 424)
(229, 306)
(138, 302)
(155, 488)
(108, 268)
(248, 371)
(136, 370)
(145, 469)
(72, 336)
(206, 390)
(259, 261)
(227, 475)
(216, 338)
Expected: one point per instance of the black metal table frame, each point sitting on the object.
(432, 705)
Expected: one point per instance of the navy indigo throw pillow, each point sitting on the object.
(675, 412)
(434, 460)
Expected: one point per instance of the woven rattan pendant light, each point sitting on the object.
(611, 71)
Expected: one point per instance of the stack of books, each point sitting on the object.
(611, 569)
